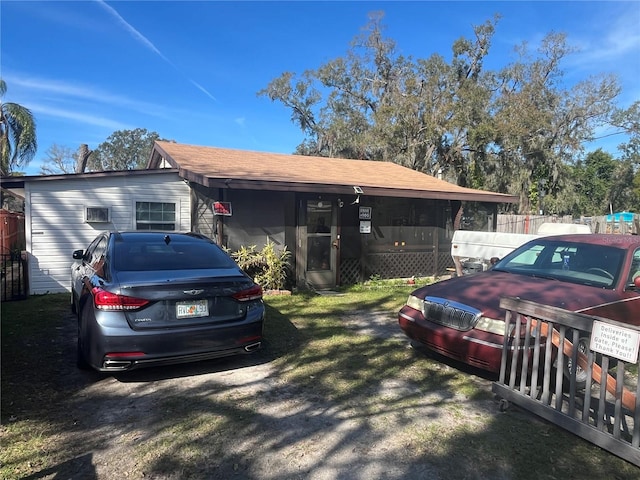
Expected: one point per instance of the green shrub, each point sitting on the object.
(268, 267)
(248, 259)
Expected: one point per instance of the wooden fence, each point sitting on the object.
(13, 266)
(12, 237)
(531, 223)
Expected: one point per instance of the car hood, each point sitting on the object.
(484, 291)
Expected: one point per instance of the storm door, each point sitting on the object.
(321, 244)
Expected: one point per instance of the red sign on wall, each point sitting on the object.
(222, 208)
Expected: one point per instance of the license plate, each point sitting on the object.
(196, 308)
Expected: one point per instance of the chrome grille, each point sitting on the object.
(450, 314)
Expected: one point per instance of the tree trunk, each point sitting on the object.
(83, 156)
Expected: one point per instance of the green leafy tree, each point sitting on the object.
(623, 194)
(635, 199)
(628, 121)
(123, 150)
(18, 142)
(595, 177)
(565, 200)
(541, 125)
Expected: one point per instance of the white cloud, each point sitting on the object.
(134, 33)
(203, 90)
(49, 90)
(97, 120)
(148, 44)
(618, 40)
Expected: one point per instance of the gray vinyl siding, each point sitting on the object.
(55, 218)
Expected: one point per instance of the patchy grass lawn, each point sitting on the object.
(317, 359)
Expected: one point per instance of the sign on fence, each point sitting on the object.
(619, 342)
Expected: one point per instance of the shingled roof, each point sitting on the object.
(241, 169)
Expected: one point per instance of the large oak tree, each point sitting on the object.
(123, 150)
(510, 130)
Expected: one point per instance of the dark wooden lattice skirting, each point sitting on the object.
(394, 265)
(350, 271)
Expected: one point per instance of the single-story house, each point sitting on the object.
(343, 220)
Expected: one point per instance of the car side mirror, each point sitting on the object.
(78, 254)
(636, 281)
(494, 260)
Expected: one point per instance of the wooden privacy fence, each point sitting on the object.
(606, 411)
(13, 266)
(507, 223)
(12, 237)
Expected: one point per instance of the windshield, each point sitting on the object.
(573, 262)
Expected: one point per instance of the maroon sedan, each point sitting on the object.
(460, 318)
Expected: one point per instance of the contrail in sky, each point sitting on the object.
(142, 39)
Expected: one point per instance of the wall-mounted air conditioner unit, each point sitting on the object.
(97, 215)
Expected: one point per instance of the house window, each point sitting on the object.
(96, 214)
(155, 216)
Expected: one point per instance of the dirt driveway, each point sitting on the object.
(319, 402)
(290, 434)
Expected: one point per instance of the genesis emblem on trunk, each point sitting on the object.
(193, 292)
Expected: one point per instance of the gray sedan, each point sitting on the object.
(151, 298)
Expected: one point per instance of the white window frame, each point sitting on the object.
(175, 201)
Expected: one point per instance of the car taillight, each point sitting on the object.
(104, 300)
(253, 293)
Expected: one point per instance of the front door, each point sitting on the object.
(321, 245)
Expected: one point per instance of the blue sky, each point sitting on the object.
(191, 70)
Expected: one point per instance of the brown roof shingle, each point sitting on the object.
(222, 167)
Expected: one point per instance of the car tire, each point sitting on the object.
(581, 375)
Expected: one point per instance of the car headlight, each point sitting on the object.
(491, 325)
(415, 303)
